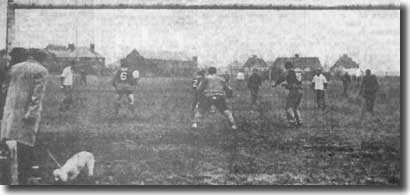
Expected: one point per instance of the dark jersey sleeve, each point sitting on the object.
(292, 80)
(202, 85)
(282, 77)
(124, 77)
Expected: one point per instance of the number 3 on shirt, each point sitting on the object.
(123, 76)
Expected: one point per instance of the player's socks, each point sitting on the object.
(131, 96)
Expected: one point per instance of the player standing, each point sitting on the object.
(215, 90)
(319, 84)
(67, 78)
(200, 75)
(124, 84)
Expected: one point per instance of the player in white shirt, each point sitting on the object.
(67, 86)
(319, 84)
(136, 76)
(240, 78)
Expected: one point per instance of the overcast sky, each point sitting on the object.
(217, 37)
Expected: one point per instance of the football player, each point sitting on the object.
(124, 84)
(215, 91)
(200, 75)
(136, 76)
(294, 85)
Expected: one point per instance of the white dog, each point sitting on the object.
(74, 166)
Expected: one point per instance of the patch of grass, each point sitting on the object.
(157, 146)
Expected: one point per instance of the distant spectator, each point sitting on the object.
(136, 76)
(254, 82)
(346, 82)
(368, 90)
(226, 76)
(240, 78)
(358, 76)
(67, 86)
(319, 84)
(83, 77)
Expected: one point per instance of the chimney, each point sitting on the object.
(92, 47)
(71, 46)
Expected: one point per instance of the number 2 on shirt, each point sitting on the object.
(196, 83)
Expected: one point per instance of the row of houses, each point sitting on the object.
(87, 59)
(273, 69)
(159, 63)
(84, 58)
(56, 57)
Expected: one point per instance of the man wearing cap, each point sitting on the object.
(294, 85)
(319, 84)
(22, 110)
(215, 91)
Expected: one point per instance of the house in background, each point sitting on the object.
(161, 63)
(345, 64)
(306, 64)
(234, 67)
(84, 58)
(255, 62)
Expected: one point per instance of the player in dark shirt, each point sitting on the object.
(294, 85)
(254, 82)
(215, 91)
(124, 84)
(346, 82)
(368, 91)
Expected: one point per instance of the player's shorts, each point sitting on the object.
(124, 89)
(197, 96)
(206, 102)
(294, 98)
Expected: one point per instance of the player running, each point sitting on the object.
(124, 84)
(215, 91)
(294, 85)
